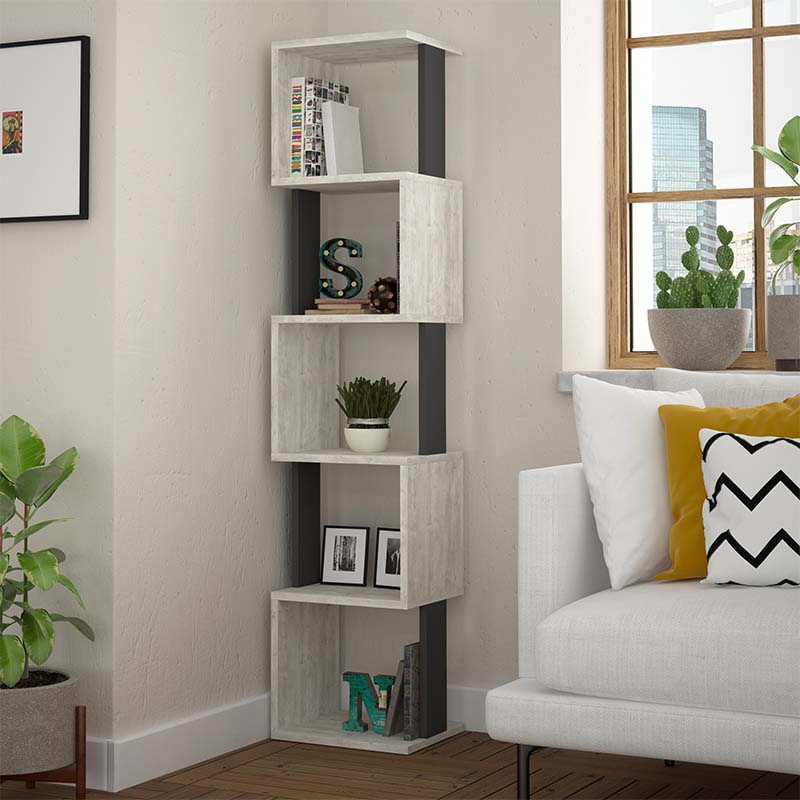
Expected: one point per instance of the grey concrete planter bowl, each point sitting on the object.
(699, 338)
(38, 728)
(783, 326)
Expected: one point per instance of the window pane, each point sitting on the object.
(781, 12)
(658, 241)
(657, 17)
(688, 131)
(787, 282)
(782, 95)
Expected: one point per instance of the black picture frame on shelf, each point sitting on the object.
(388, 563)
(45, 176)
(345, 550)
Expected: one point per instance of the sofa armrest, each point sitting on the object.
(560, 556)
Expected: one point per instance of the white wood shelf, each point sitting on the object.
(358, 596)
(348, 319)
(327, 730)
(361, 183)
(341, 455)
(360, 48)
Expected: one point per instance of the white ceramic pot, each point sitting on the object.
(367, 440)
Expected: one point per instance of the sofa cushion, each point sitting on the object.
(724, 647)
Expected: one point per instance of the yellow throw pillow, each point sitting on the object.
(682, 425)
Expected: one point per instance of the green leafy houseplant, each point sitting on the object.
(784, 247)
(700, 288)
(366, 399)
(27, 632)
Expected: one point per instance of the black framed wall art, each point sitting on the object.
(44, 107)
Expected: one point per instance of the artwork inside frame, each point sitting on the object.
(44, 122)
(344, 555)
(387, 559)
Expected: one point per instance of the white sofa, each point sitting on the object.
(678, 671)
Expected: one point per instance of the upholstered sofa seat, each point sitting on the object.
(687, 643)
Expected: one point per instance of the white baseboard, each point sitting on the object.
(467, 705)
(115, 765)
(128, 762)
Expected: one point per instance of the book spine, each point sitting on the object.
(411, 692)
(296, 154)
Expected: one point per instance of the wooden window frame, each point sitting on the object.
(619, 197)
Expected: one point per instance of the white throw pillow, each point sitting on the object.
(751, 515)
(624, 458)
(730, 388)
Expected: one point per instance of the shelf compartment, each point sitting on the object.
(360, 48)
(305, 694)
(341, 455)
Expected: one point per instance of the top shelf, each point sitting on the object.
(361, 48)
(366, 183)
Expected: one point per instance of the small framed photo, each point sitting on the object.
(344, 555)
(387, 559)
(44, 113)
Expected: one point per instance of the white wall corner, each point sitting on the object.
(173, 747)
(467, 705)
(583, 208)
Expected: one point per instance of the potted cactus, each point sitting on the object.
(783, 303)
(37, 706)
(697, 324)
(368, 405)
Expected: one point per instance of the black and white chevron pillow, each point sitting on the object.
(751, 514)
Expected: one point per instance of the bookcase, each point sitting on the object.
(306, 424)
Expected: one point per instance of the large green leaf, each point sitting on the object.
(8, 596)
(782, 248)
(68, 584)
(6, 487)
(789, 140)
(40, 567)
(3, 565)
(67, 460)
(12, 660)
(77, 622)
(796, 261)
(7, 509)
(34, 482)
(38, 633)
(779, 231)
(21, 447)
(772, 209)
(789, 167)
(25, 533)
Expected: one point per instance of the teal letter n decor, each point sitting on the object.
(362, 693)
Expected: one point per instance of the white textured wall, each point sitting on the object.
(583, 221)
(56, 353)
(202, 247)
(503, 129)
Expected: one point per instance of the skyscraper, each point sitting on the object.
(683, 158)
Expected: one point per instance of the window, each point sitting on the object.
(690, 86)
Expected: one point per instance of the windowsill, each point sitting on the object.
(639, 378)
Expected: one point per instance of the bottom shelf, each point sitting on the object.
(327, 730)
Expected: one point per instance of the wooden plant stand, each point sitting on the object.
(74, 773)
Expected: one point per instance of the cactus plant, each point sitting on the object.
(701, 288)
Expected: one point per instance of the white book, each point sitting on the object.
(342, 135)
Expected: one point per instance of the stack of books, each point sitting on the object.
(308, 143)
(344, 305)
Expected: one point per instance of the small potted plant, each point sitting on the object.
(37, 707)
(368, 405)
(697, 324)
(783, 308)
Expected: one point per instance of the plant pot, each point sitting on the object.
(367, 440)
(37, 733)
(699, 338)
(783, 327)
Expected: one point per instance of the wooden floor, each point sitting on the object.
(467, 767)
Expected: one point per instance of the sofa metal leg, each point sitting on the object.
(523, 770)
(668, 762)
